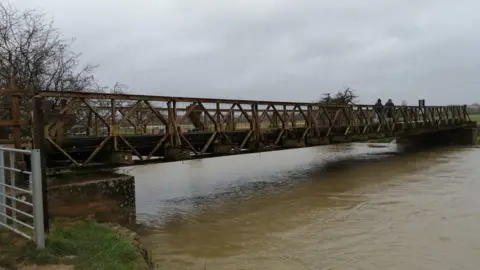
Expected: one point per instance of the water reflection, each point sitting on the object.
(169, 188)
(177, 188)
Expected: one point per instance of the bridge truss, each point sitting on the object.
(82, 129)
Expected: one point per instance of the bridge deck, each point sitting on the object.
(82, 129)
(82, 148)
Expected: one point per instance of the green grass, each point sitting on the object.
(475, 117)
(86, 245)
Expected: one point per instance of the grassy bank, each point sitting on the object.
(475, 117)
(80, 245)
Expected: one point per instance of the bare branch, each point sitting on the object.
(345, 97)
(33, 52)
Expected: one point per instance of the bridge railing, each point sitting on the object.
(97, 113)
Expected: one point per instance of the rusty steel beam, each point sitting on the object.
(90, 95)
(8, 123)
(131, 97)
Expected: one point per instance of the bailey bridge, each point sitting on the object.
(79, 130)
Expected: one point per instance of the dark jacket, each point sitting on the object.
(390, 106)
(378, 107)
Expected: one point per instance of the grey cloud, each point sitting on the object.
(294, 49)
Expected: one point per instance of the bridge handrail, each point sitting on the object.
(117, 96)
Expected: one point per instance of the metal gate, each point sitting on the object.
(21, 206)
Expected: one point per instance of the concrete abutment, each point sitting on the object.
(466, 136)
(461, 136)
(105, 197)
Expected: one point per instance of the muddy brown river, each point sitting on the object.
(332, 207)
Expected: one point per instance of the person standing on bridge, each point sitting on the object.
(378, 107)
(389, 106)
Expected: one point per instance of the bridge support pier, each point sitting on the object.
(118, 157)
(226, 148)
(177, 153)
(257, 146)
(318, 140)
(463, 136)
(466, 136)
(340, 139)
(291, 143)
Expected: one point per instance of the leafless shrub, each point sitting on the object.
(345, 97)
(35, 56)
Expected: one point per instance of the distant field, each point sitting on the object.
(475, 117)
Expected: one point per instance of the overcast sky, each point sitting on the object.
(279, 50)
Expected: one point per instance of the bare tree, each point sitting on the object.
(345, 97)
(33, 54)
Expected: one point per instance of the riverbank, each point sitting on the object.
(72, 244)
(86, 209)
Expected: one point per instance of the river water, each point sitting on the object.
(332, 207)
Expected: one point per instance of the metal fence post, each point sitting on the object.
(37, 198)
(3, 199)
(13, 182)
(38, 131)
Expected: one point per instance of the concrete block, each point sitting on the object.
(226, 148)
(120, 157)
(318, 140)
(466, 136)
(177, 153)
(340, 139)
(289, 143)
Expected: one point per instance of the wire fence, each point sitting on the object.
(21, 200)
